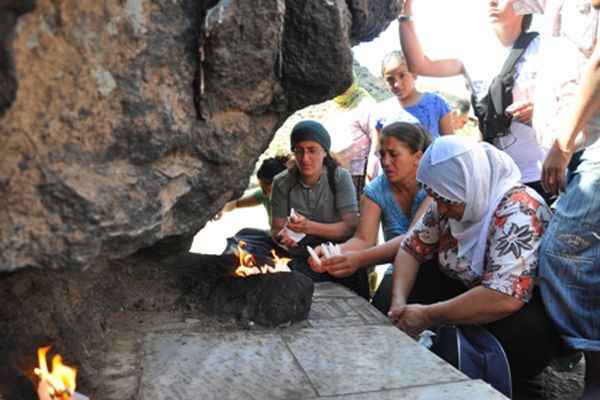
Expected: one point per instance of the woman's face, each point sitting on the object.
(502, 13)
(399, 80)
(398, 161)
(309, 156)
(459, 120)
(445, 209)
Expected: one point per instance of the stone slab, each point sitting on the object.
(335, 311)
(330, 289)
(238, 365)
(340, 361)
(471, 390)
(346, 349)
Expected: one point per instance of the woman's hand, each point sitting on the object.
(343, 265)
(298, 223)
(285, 240)
(396, 309)
(412, 319)
(314, 265)
(553, 168)
(522, 111)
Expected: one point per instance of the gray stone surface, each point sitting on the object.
(476, 390)
(238, 365)
(345, 360)
(359, 356)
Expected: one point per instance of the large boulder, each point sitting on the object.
(136, 120)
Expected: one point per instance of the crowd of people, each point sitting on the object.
(503, 233)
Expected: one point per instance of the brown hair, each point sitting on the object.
(414, 136)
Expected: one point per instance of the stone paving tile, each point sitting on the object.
(334, 311)
(368, 312)
(330, 289)
(235, 365)
(330, 312)
(466, 390)
(340, 360)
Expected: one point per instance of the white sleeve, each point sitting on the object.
(529, 6)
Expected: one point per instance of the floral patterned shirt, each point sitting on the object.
(511, 256)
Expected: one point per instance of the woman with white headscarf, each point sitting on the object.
(472, 258)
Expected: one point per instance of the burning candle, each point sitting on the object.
(58, 384)
(248, 267)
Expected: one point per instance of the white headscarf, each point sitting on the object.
(476, 174)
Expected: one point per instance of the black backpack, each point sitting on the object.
(493, 120)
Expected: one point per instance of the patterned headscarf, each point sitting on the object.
(475, 174)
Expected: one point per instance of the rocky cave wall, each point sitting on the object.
(126, 122)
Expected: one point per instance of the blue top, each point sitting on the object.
(393, 220)
(429, 110)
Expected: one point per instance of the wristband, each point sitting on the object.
(404, 18)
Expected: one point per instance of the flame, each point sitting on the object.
(248, 266)
(60, 383)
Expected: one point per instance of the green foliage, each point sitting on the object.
(371, 83)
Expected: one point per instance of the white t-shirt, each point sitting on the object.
(520, 144)
(351, 135)
(571, 30)
(390, 110)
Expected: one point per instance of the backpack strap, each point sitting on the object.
(516, 52)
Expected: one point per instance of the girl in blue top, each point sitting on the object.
(395, 200)
(432, 111)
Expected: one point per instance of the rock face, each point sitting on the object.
(267, 299)
(136, 120)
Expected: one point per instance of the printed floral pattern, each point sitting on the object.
(512, 245)
(517, 238)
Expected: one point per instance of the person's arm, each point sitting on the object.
(368, 226)
(446, 125)
(335, 231)
(417, 61)
(279, 208)
(586, 103)
(406, 267)
(478, 305)
(386, 252)
(350, 261)
(372, 158)
(247, 200)
(279, 235)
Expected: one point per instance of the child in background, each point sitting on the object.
(265, 174)
(460, 113)
(254, 236)
(432, 111)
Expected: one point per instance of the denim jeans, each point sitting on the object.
(570, 259)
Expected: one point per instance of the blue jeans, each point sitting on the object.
(569, 273)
